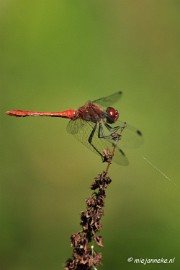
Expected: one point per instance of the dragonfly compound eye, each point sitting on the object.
(111, 115)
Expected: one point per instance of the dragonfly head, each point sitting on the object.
(111, 115)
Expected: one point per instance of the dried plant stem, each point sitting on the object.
(84, 257)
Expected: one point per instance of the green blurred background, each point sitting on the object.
(56, 55)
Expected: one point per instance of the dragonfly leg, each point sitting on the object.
(90, 139)
(107, 157)
(111, 129)
(113, 135)
(101, 133)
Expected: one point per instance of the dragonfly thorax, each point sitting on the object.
(91, 112)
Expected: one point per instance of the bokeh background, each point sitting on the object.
(57, 55)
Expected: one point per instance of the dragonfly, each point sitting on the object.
(96, 125)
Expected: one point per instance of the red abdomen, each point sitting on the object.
(66, 114)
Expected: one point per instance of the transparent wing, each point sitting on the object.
(109, 100)
(120, 157)
(131, 136)
(82, 129)
(74, 126)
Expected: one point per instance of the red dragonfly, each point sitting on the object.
(95, 124)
